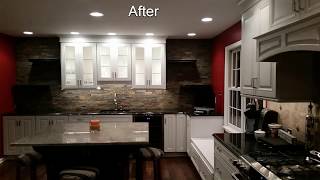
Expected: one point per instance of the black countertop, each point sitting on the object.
(276, 159)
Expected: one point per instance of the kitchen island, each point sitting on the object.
(74, 145)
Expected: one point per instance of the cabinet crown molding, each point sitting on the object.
(113, 39)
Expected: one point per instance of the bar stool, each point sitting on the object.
(28, 160)
(149, 154)
(79, 173)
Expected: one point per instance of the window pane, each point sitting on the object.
(238, 78)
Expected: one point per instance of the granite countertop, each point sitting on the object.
(78, 134)
(101, 112)
(110, 112)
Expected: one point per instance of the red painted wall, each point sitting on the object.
(229, 36)
(7, 79)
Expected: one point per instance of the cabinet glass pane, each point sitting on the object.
(140, 79)
(71, 80)
(70, 67)
(105, 51)
(156, 53)
(87, 53)
(70, 52)
(139, 53)
(156, 67)
(122, 72)
(123, 60)
(87, 67)
(156, 79)
(140, 67)
(105, 61)
(123, 51)
(106, 72)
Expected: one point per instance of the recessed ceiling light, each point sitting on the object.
(74, 33)
(28, 32)
(149, 34)
(206, 19)
(112, 34)
(96, 14)
(191, 34)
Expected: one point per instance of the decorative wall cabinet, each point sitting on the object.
(78, 65)
(258, 79)
(114, 62)
(149, 66)
(274, 80)
(285, 12)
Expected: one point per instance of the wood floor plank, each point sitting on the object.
(172, 168)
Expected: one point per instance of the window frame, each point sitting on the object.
(228, 88)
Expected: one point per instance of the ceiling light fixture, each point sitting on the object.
(112, 34)
(28, 32)
(191, 34)
(96, 14)
(74, 33)
(149, 34)
(206, 19)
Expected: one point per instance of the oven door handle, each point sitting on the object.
(234, 176)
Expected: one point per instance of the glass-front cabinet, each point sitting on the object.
(87, 61)
(78, 65)
(114, 62)
(149, 71)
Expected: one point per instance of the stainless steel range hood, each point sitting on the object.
(300, 36)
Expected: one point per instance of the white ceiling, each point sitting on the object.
(59, 17)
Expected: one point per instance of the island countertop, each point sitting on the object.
(73, 134)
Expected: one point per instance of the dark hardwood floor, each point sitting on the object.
(172, 168)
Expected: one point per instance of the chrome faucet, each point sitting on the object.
(115, 101)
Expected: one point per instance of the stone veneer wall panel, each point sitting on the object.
(173, 98)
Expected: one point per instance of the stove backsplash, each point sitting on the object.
(292, 115)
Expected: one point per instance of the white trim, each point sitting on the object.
(114, 39)
(229, 127)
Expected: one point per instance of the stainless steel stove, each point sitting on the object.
(258, 160)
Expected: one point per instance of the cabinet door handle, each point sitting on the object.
(300, 5)
(294, 6)
(17, 123)
(80, 82)
(115, 75)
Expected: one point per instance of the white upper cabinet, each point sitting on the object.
(284, 12)
(257, 79)
(114, 62)
(78, 65)
(149, 71)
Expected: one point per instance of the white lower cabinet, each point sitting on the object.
(53, 122)
(175, 133)
(223, 159)
(201, 163)
(16, 127)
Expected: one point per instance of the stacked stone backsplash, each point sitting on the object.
(292, 115)
(174, 98)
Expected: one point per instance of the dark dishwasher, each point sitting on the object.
(155, 128)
